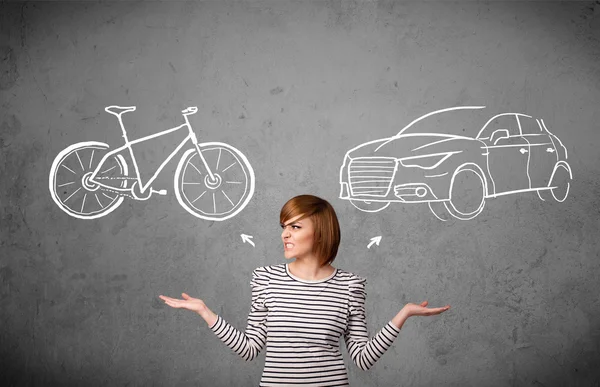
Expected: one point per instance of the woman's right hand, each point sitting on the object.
(190, 303)
(193, 304)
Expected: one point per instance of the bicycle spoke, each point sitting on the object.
(72, 195)
(232, 164)
(227, 198)
(108, 196)
(62, 185)
(218, 159)
(108, 170)
(83, 203)
(199, 197)
(91, 158)
(80, 163)
(98, 200)
(192, 164)
(69, 169)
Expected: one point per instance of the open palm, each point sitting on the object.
(190, 303)
(422, 310)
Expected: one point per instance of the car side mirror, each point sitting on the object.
(498, 135)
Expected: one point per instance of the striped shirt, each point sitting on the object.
(301, 323)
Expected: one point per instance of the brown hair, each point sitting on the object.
(327, 229)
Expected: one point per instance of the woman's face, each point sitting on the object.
(298, 237)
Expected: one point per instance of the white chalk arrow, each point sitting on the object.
(375, 240)
(247, 238)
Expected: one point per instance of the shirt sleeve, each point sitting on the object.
(249, 343)
(365, 352)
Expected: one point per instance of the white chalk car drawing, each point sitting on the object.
(456, 173)
(213, 180)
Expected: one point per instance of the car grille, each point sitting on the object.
(371, 176)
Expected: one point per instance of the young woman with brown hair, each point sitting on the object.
(300, 310)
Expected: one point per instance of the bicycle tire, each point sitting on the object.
(67, 181)
(227, 195)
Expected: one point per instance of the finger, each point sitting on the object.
(177, 304)
(438, 310)
(172, 304)
(185, 296)
(167, 298)
(424, 303)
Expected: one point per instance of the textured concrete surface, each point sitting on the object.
(293, 85)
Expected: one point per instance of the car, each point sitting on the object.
(433, 160)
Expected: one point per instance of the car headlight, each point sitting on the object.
(346, 160)
(426, 161)
(344, 166)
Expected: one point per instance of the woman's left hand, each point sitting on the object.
(421, 309)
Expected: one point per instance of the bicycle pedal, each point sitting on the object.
(162, 192)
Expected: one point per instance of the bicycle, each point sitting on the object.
(213, 180)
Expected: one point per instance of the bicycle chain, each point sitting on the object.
(114, 178)
(113, 191)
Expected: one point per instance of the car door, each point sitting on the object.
(542, 152)
(507, 155)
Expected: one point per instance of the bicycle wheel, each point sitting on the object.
(221, 198)
(69, 181)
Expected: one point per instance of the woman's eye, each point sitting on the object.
(293, 226)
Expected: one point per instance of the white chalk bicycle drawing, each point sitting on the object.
(213, 180)
(455, 174)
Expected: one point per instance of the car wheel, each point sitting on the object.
(367, 206)
(439, 210)
(467, 193)
(560, 183)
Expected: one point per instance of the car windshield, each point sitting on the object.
(459, 121)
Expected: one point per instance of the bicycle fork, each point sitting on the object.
(189, 111)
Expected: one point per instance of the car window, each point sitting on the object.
(529, 125)
(508, 122)
(463, 122)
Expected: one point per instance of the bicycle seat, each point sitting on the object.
(190, 110)
(118, 110)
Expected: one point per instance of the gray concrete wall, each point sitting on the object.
(293, 85)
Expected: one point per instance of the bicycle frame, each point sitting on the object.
(128, 145)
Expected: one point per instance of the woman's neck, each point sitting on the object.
(310, 269)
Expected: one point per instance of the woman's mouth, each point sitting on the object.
(288, 246)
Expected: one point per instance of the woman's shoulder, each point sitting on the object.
(269, 271)
(350, 277)
(262, 276)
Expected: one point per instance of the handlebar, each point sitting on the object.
(190, 110)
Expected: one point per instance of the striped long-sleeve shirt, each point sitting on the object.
(301, 323)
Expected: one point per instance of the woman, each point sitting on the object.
(301, 309)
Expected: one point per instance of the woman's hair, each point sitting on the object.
(327, 229)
